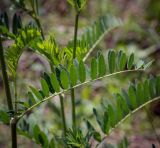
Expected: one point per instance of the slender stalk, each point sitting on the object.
(74, 56)
(5, 77)
(15, 94)
(14, 132)
(150, 119)
(73, 107)
(75, 35)
(63, 114)
(8, 95)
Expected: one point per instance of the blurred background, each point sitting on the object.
(140, 34)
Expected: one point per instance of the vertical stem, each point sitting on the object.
(150, 119)
(8, 95)
(63, 114)
(5, 77)
(73, 108)
(75, 35)
(14, 132)
(74, 56)
(15, 94)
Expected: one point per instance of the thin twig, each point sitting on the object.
(74, 56)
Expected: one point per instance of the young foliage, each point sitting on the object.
(77, 4)
(25, 38)
(49, 49)
(75, 138)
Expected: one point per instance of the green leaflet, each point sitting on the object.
(93, 132)
(130, 61)
(82, 72)
(146, 90)
(122, 59)
(17, 24)
(36, 131)
(42, 139)
(111, 60)
(119, 110)
(111, 114)
(98, 117)
(106, 123)
(132, 96)
(31, 100)
(54, 82)
(101, 66)
(94, 68)
(40, 136)
(152, 86)
(36, 93)
(140, 93)
(45, 88)
(73, 75)
(48, 80)
(52, 143)
(4, 21)
(64, 79)
(124, 104)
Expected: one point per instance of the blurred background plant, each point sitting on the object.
(140, 34)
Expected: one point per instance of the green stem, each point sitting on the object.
(14, 132)
(74, 56)
(8, 95)
(15, 94)
(73, 108)
(63, 114)
(5, 77)
(75, 35)
(150, 119)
